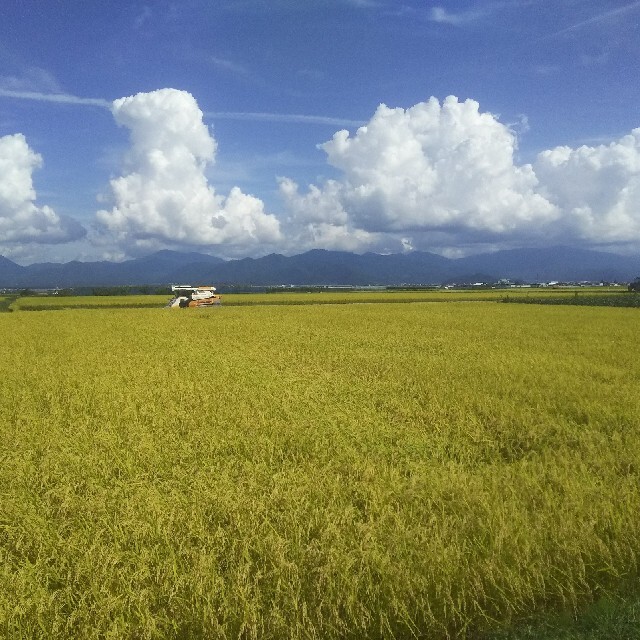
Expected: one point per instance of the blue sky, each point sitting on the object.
(537, 147)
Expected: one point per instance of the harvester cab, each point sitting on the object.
(186, 296)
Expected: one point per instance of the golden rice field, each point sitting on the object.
(41, 303)
(38, 303)
(315, 471)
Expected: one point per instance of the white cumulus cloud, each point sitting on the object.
(318, 220)
(164, 196)
(443, 175)
(426, 170)
(21, 219)
(596, 188)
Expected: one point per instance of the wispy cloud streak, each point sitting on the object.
(65, 98)
(60, 98)
(458, 19)
(602, 17)
(228, 65)
(442, 16)
(283, 117)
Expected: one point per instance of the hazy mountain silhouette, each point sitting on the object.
(328, 267)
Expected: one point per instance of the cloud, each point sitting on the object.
(164, 196)
(435, 176)
(364, 4)
(318, 220)
(21, 220)
(61, 98)
(442, 16)
(37, 84)
(601, 18)
(293, 118)
(34, 79)
(438, 175)
(431, 168)
(228, 65)
(596, 188)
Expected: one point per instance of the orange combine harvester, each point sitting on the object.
(185, 296)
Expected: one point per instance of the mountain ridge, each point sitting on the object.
(324, 267)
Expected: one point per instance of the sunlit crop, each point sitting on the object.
(322, 471)
(39, 303)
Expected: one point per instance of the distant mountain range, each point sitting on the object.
(320, 267)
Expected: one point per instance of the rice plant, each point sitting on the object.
(323, 471)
